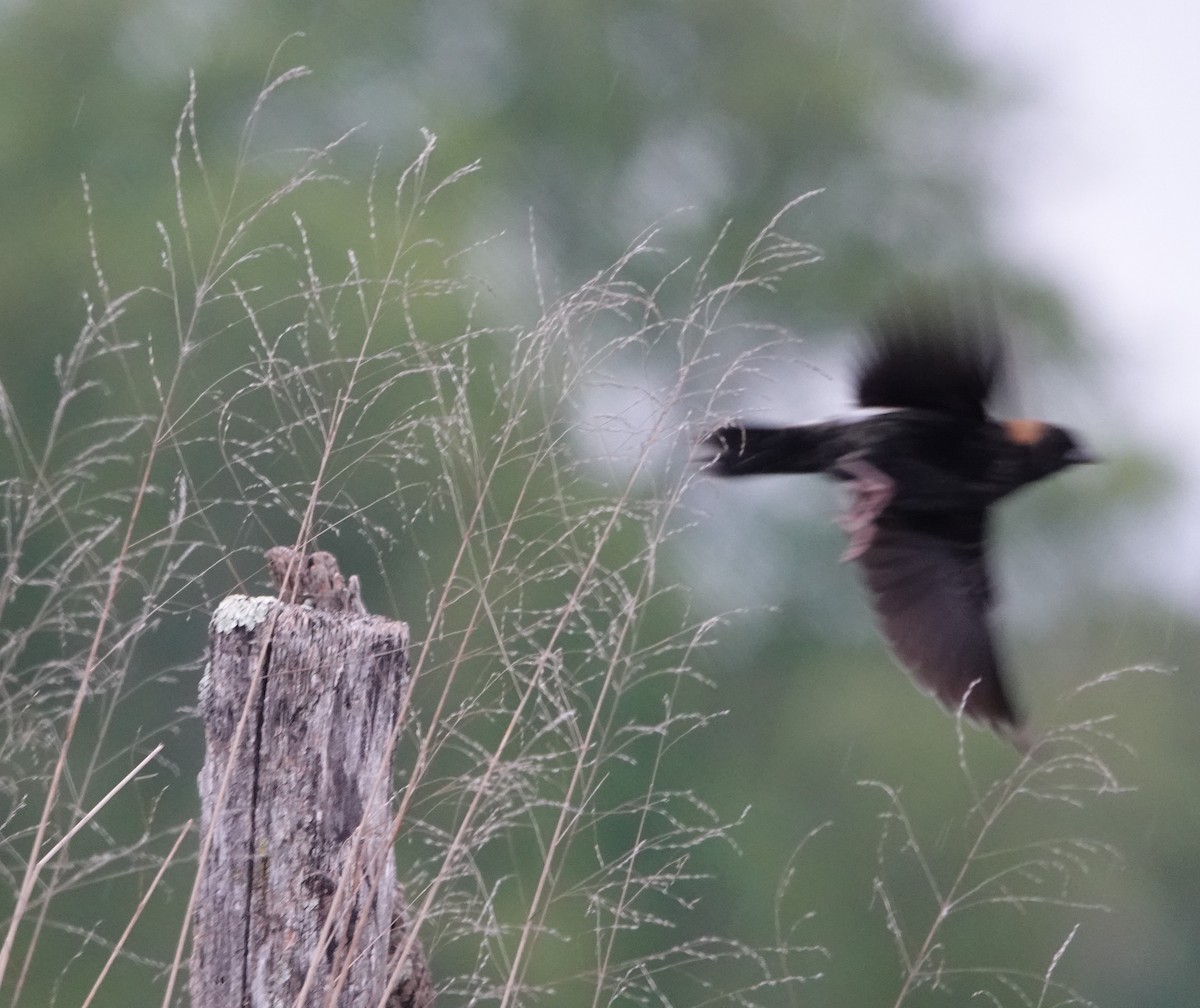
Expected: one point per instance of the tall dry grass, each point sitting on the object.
(511, 491)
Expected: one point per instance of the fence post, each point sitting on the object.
(297, 901)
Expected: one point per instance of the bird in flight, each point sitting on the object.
(923, 463)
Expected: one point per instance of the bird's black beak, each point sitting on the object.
(1081, 456)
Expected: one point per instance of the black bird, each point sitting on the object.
(923, 466)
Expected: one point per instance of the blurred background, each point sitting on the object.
(1036, 159)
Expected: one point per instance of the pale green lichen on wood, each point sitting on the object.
(242, 612)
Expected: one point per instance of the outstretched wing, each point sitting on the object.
(936, 363)
(933, 598)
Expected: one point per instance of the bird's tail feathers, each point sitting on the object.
(742, 450)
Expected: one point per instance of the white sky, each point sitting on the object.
(1099, 175)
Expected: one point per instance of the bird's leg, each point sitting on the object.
(872, 492)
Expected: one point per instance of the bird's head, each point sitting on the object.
(1050, 448)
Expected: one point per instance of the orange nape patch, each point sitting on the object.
(1025, 432)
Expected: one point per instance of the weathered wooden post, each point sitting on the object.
(297, 901)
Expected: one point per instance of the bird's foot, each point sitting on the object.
(872, 491)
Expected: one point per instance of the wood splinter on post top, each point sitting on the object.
(314, 579)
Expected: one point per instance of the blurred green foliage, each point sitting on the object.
(592, 123)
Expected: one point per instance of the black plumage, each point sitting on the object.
(922, 466)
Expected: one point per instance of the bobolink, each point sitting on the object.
(923, 463)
